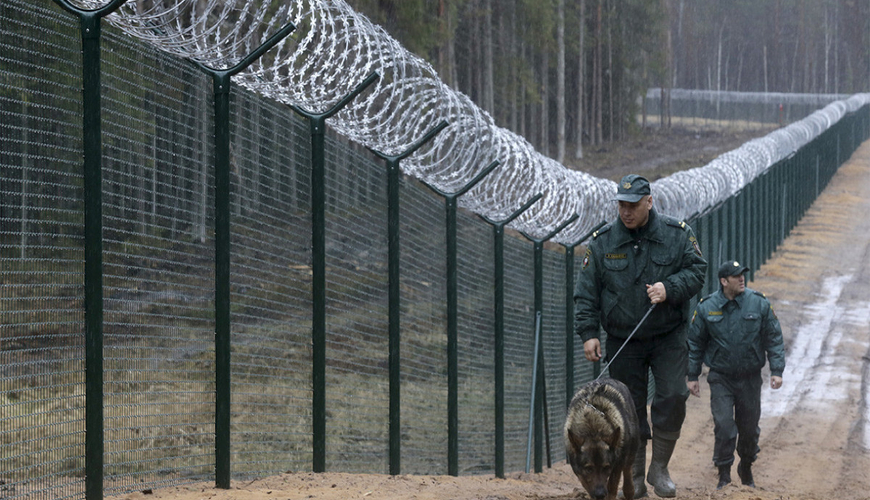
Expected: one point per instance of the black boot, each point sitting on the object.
(744, 470)
(658, 474)
(724, 476)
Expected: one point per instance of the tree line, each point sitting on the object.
(569, 73)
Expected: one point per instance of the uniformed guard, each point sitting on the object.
(731, 332)
(643, 258)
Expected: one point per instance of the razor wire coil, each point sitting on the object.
(334, 48)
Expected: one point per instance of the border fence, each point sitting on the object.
(710, 109)
(164, 321)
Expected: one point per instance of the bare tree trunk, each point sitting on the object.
(475, 82)
(792, 85)
(154, 163)
(610, 77)
(25, 166)
(828, 39)
(597, 70)
(256, 154)
(522, 103)
(719, 68)
(679, 44)
(764, 52)
(510, 39)
(836, 48)
(204, 142)
(581, 81)
(446, 59)
(560, 82)
(545, 103)
(488, 86)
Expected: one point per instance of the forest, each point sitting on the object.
(570, 73)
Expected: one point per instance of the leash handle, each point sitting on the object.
(651, 307)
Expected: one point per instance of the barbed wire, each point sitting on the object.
(334, 49)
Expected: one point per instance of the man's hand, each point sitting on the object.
(592, 349)
(657, 292)
(694, 388)
(775, 382)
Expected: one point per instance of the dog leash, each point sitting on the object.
(603, 370)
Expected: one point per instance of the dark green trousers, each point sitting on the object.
(736, 406)
(666, 357)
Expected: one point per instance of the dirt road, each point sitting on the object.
(815, 431)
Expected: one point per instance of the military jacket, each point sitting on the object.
(611, 289)
(733, 336)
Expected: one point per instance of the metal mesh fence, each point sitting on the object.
(476, 352)
(270, 289)
(423, 323)
(42, 393)
(709, 109)
(158, 277)
(554, 350)
(159, 325)
(519, 323)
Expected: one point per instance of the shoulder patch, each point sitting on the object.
(696, 246)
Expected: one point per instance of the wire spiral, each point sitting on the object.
(334, 48)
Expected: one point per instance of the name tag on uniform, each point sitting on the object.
(714, 313)
(616, 256)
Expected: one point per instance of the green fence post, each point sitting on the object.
(90, 29)
(394, 313)
(221, 79)
(731, 224)
(498, 258)
(317, 127)
(453, 320)
(569, 312)
(539, 401)
(534, 407)
(769, 218)
(752, 226)
(719, 235)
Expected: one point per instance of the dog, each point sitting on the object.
(602, 437)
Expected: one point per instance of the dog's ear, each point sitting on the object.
(614, 439)
(575, 439)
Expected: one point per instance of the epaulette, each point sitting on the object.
(674, 222)
(756, 292)
(601, 231)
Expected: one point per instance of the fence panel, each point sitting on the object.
(159, 283)
(42, 343)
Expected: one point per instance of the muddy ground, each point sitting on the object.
(657, 153)
(815, 435)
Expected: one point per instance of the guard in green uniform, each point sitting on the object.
(731, 332)
(641, 259)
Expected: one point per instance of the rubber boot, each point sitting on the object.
(658, 475)
(744, 470)
(638, 468)
(724, 476)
